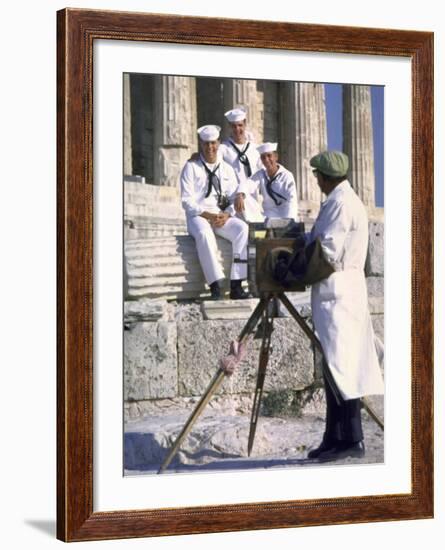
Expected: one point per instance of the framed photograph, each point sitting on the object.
(141, 348)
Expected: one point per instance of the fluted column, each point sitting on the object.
(237, 92)
(303, 134)
(141, 105)
(175, 125)
(128, 164)
(358, 141)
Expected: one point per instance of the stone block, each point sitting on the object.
(376, 250)
(378, 323)
(376, 287)
(228, 309)
(376, 305)
(145, 310)
(202, 345)
(150, 361)
(187, 312)
(301, 302)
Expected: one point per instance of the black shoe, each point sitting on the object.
(237, 292)
(324, 446)
(343, 450)
(215, 291)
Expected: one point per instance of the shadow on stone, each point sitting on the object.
(144, 452)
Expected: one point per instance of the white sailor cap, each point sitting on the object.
(267, 148)
(235, 115)
(210, 132)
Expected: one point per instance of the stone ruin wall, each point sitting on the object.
(172, 344)
(162, 114)
(172, 348)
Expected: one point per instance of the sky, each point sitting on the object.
(335, 129)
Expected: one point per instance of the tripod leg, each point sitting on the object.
(368, 408)
(264, 358)
(310, 334)
(214, 385)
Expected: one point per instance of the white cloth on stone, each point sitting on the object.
(340, 303)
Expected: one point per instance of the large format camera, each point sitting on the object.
(274, 246)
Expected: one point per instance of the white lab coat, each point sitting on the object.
(284, 185)
(340, 302)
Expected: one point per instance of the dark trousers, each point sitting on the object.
(343, 421)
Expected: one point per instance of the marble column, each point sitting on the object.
(175, 125)
(303, 134)
(128, 163)
(358, 141)
(241, 92)
(209, 92)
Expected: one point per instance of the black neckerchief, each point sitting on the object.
(273, 194)
(242, 157)
(213, 180)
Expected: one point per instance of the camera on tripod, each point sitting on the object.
(273, 246)
(282, 260)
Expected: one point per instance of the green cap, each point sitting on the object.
(331, 163)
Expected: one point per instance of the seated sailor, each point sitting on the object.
(208, 187)
(274, 183)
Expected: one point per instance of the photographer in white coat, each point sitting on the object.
(208, 187)
(274, 183)
(340, 309)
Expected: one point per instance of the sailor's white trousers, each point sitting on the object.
(234, 230)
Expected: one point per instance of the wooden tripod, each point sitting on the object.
(260, 312)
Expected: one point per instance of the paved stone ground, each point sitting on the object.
(218, 442)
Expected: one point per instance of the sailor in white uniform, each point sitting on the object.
(240, 151)
(208, 188)
(274, 183)
(340, 309)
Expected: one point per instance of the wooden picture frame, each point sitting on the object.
(77, 31)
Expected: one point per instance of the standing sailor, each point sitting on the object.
(242, 155)
(208, 187)
(340, 309)
(274, 183)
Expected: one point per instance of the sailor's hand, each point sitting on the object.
(239, 202)
(211, 218)
(221, 219)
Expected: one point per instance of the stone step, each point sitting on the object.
(168, 267)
